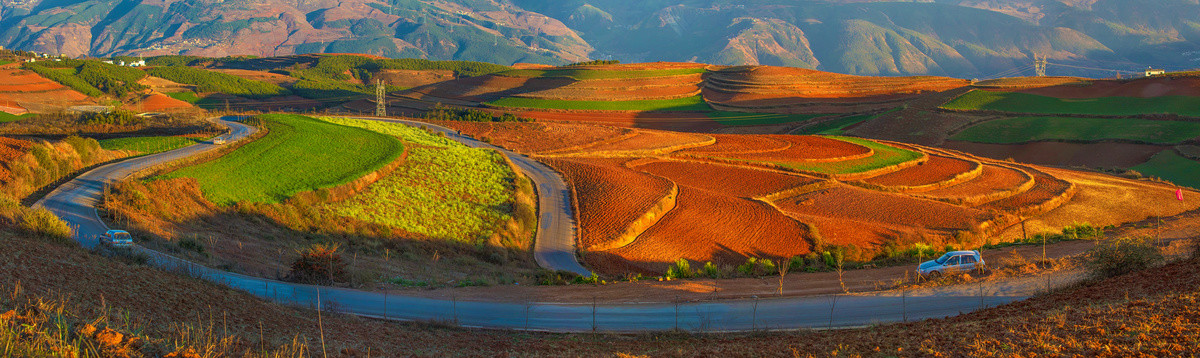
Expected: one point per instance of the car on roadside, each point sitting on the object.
(218, 140)
(116, 239)
(951, 263)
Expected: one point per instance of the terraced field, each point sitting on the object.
(1018, 102)
(23, 90)
(298, 154)
(1028, 129)
(774, 196)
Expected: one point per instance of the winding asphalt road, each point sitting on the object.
(75, 202)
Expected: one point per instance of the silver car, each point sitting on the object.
(116, 238)
(951, 262)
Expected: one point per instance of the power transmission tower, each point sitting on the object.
(380, 98)
(1039, 65)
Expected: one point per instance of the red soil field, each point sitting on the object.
(1046, 188)
(573, 93)
(798, 82)
(1123, 155)
(1142, 87)
(993, 180)
(483, 88)
(258, 76)
(537, 137)
(857, 204)
(33, 87)
(158, 102)
(705, 226)
(808, 149)
(935, 170)
(725, 179)
(741, 144)
(16, 77)
(645, 141)
(645, 66)
(1016, 83)
(676, 121)
(610, 196)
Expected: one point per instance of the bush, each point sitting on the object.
(747, 268)
(796, 263)
(116, 117)
(1121, 256)
(443, 113)
(680, 269)
(44, 224)
(319, 263)
(711, 271)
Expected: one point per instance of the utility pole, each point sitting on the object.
(380, 98)
(1039, 65)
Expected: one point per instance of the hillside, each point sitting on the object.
(958, 38)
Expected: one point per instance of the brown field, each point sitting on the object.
(644, 143)
(938, 169)
(994, 180)
(1045, 188)
(725, 179)
(1123, 155)
(538, 137)
(36, 93)
(741, 144)
(706, 226)
(610, 196)
(676, 121)
(158, 102)
(862, 205)
(808, 149)
(1016, 83)
(775, 87)
(1141, 87)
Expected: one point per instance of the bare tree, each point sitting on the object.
(841, 260)
(783, 270)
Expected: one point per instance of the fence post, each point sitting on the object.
(593, 313)
(904, 304)
(676, 313)
(385, 294)
(754, 316)
(454, 308)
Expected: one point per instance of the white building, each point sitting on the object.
(1151, 72)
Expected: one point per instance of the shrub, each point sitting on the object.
(115, 117)
(747, 268)
(796, 263)
(766, 267)
(1121, 256)
(710, 270)
(192, 244)
(680, 269)
(44, 224)
(443, 113)
(319, 263)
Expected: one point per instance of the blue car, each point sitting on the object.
(950, 263)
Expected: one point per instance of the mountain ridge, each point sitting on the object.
(960, 38)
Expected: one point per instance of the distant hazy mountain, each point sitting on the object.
(962, 38)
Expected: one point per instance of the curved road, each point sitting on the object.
(75, 202)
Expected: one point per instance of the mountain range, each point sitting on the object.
(960, 38)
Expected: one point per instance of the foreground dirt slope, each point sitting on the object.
(723, 198)
(1158, 304)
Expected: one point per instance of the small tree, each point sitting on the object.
(320, 264)
(783, 271)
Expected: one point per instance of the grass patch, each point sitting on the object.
(148, 145)
(1173, 167)
(189, 96)
(6, 117)
(581, 74)
(694, 103)
(1026, 129)
(298, 154)
(734, 119)
(1030, 103)
(445, 190)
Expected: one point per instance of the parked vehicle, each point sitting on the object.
(218, 140)
(116, 238)
(952, 262)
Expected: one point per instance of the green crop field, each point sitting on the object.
(1029, 103)
(298, 154)
(734, 119)
(209, 81)
(689, 104)
(1173, 167)
(885, 155)
(445, 190)
(148, 145)
(581, 74)
(189, 96)
(1026, 129)
(7, 117)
